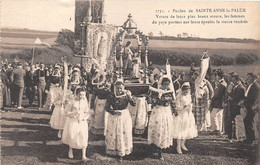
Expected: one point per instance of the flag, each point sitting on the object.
(168, 67)
(39, 42)
(204, 65)
(66, 73)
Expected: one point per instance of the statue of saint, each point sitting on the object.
(127, 58)
(102, 52)
(136, 63)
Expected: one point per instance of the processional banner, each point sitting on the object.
(100, 45)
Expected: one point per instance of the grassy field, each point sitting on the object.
(240, 70)
(198, 47)
(15, 40)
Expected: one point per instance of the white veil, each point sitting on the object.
(168, 76)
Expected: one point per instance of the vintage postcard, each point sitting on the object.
(129, 81)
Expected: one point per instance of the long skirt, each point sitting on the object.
(75, 133)
(119, 134)
(139, 115)
(6, 96)
(199, 114)
(98, 126)
(160, 130)
(184, 126)
(58, 118)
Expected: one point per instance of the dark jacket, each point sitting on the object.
(219, 94)
(5, 79)
(28, 79)
(236, 95)
(17, 77)
(40, 77)
(252, 96)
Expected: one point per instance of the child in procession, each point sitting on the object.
(75, 132)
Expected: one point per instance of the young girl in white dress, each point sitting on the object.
(54, 101)
(75, 132)
(184, 124)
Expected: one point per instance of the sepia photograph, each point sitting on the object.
(129, 82)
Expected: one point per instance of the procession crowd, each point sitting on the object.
(174, 107)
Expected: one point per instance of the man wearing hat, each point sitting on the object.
(236, 96)
(41, 75)
(251, 96)
(17, 78)
(217, 102)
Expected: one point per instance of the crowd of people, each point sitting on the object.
(98, 102)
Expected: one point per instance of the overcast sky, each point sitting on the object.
(53, 15)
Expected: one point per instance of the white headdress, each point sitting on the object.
(168, 76)
(159, 90)
(76, 69)
(118, 81)
(185, 84)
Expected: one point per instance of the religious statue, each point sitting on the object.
(127, 58)
(96, 13)
(102, 52)
(136, 63)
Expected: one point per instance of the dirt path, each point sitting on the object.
(26, 138)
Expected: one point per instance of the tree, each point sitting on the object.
(66, 37)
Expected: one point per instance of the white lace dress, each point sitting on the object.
(160, 130)
(75, 132)
(184, 123)
(58, 115)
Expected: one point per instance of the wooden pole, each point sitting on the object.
(146, 61)
(121, 58)
(33, 54)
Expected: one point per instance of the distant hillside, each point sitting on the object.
(26, 30)
(27, 33)
(234, 40)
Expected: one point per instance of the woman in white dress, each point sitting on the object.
(119, 123)
(184, 126)
(160, 130)
(75, 132)
(54, 102)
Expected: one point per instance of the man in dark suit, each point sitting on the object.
(235, 98)
(29, 85)
(17, 78)
(251, 96)
(217, 102)
(40, 81)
